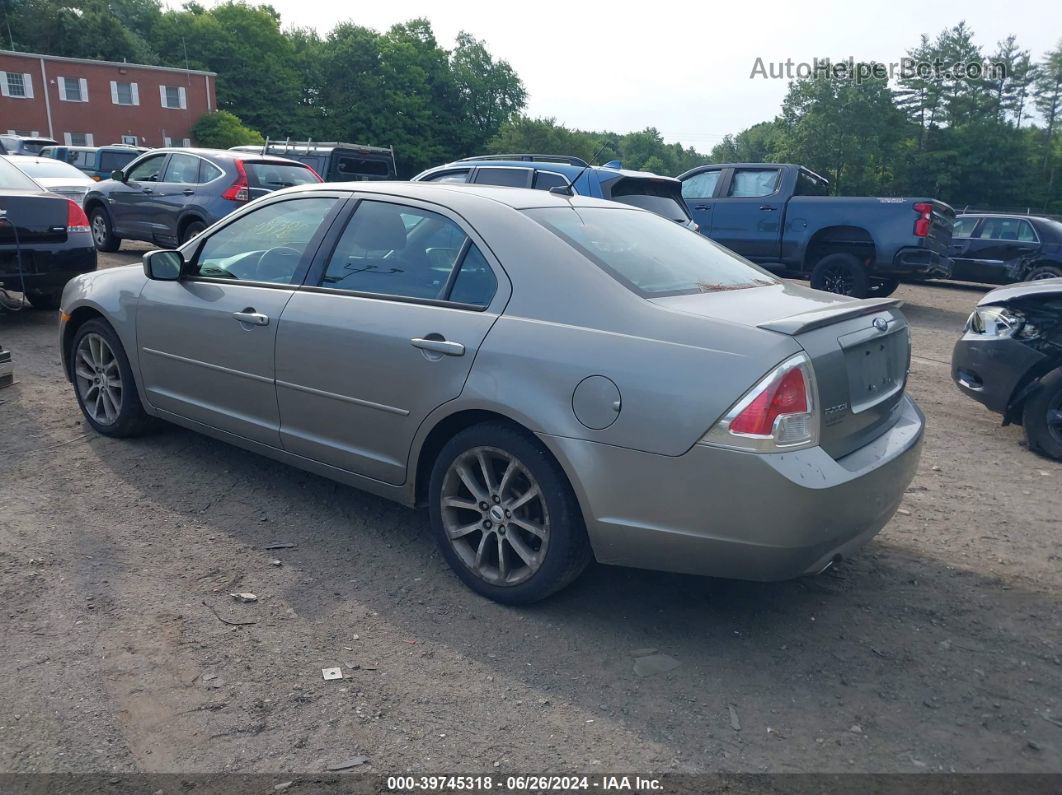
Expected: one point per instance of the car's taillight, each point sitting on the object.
(925, 218)
(239, 191)
(76, 220)
(778, 413)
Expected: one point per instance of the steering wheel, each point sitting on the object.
(277, 264)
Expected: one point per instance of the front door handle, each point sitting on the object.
(703, 207)
(439, 346)
(250, 316)
(187, 191)
(766, 207)
(148, 190)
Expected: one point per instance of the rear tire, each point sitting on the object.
(45, 300)
(191, 231)
(103, 382)
(102, 231)
(505, 516)
(843, 274)
(1044, 272)
(1042, 416)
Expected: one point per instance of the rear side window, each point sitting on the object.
(274, 176)
(394, 250)
(701, 186)
(208, 172)
(544, 180)
(509, 177)
(809, 184)
(750, 182)
(1007, 229)
(449, 176)
(351, 166)
(112, 161)
(649, 255)
(182, 169)
(963, 227)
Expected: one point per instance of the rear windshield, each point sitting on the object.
(46, 167)
(274, 176)
(656, 196)
(12, 178)
(113, 161)
(649, 255)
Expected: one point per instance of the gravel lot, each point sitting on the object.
(937, 649)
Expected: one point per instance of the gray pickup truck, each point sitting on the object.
(782, 217)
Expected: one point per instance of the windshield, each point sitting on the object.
(12, 178)
(45, 168)
(657, 196)
(274, 176)
(649, 255)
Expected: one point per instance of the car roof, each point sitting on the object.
(567, 169)
(441, 192)
(222, 154)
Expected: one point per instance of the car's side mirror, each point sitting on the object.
(118, 175)
(164, 266)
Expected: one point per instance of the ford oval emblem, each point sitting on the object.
(881, 324)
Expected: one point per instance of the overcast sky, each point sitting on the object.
(682, 67)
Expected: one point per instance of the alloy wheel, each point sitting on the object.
(495, 516)
(838, 280)
(99, 229)
(1054, 417)
(99, 379)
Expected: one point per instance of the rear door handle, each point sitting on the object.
(148, 190)
(703, 207)
(767, 207)
(187, 191)
(250, 316)
(439, 346)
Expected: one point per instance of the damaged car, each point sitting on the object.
(1010, 359)
(1002, 249)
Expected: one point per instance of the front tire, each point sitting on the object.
(843, 274)
(505, 516)
(103, 232)
(103, 382)
(1042, 416)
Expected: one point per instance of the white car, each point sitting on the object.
(55, 176)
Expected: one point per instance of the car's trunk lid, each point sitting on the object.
(37, 217)
(859, 350)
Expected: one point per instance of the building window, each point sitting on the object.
(78, 139)
(125, 93)
(73, 89)
(173, 97)
(16, 84)
(129, 140)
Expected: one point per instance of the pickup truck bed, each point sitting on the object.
(780, 216)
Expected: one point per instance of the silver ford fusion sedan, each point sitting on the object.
(557, 378)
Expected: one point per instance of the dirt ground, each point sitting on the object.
(939, 648)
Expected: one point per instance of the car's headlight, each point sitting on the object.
(995, 321)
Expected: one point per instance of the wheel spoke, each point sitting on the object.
(460, 502)
(485, 469)
(112, 365)
(83, 371)
(461, 532)
(99, 402)
(470, 483)
(536, 530)
(524, 498)
(521, 549)
(503, 563)
(89, 392)
(481, 549)
(83, 355)
(510, 470)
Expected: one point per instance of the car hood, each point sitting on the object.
(1041, 287)
(786, 307)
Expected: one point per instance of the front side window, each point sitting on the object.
(449, 176)
(650, 255)
(395, 250)
(509, 177)
(701, 186)
(266, 245)
(182, 169)
(963, 227)
(147, 170)
(752, 182)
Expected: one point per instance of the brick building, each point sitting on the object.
(92, 103)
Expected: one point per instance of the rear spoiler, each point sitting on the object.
(816, 318)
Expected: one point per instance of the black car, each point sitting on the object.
(1010, 359)
(335, 161)
(1002, 249)
(168, 196)
(44, 239)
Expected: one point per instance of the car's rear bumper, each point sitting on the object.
(917, 262)
(990, 369)
(740, 515)
(47, 267)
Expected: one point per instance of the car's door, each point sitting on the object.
(384, 331)
(206, 342)
(958, 249)
(747, 218)
(128, 201)
(699, 192)
(997, 243)
(169, 196)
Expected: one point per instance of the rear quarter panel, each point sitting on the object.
(888, 221)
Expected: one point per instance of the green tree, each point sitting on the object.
(221, 130)
(489, 91)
